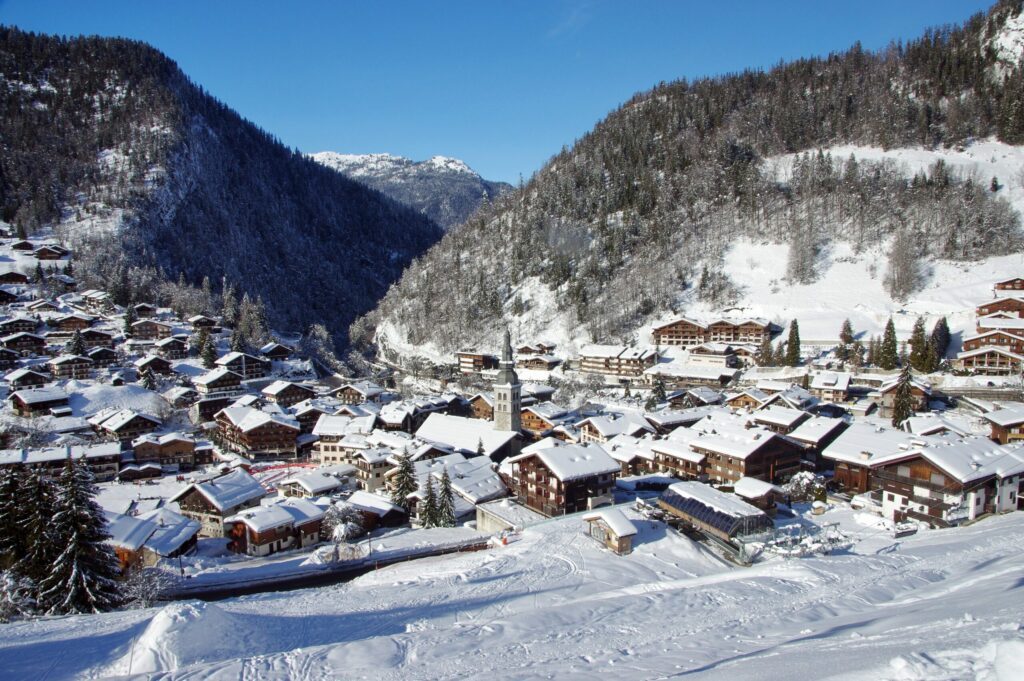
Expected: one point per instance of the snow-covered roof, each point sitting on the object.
(332, 426)
(865, 444)
(116, 419)
(968, 458)
(475, 480)
(831, 380)
(234, 356)
(602, 351)
(616, 521)
(277, 387)
(779, 416)
(228, 491)
(609, 425)
(317, 481)
(929, 424)
(163, 439)
(172, 530)
(372, 503)
(128, 532)
(215, 375)
(727, 504)
(752, 488)
(39, 395)
(753, 393)
(23, 372)
(677, 449)
(815, 429)
(513, 513)
(914, 382)
(573, 461)
(463, 434)
(985, 349)
(1008, 415)
(695, 371)
(247, 418)
(288, 511)
(11, 456)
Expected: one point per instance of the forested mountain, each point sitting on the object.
(153, 180)
(446, 190)
(633, 220)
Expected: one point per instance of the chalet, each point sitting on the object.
(995, 339)
(123, 424)
(292, 523)
(921, 391)
(286, 393)
(71, 322)
(94, 338)
(23, 245)
(612, 529)
(42, 305)
(144, 310)
(815, 434)
(686, 374)
(723, 516)
(204, 409)
(1012, 305)
(244, 365)
(102, 459)
(148, 329)
(201, 321)
(830, 386)
(616, 360)
(377, 511)
(102, 356)
(49, 252)
(171, 348)
(330, 431)
(26, 378)
(473, 362)
(538, 420)
(538, 392)
(96, 301)
(948, 482)
(175, 535)
(157, 365)
(212, 501)
(37, 401)
(603, 428)
(8, 359)
(747, 330)
(139, 471)
(758, 493)
(694, 397)
(468, 436)
(481, 406)
(372, 463)
(793, 397)
(991, 361)
(558, 480)
(357, 393)
(257, 434)
(714, 354)
(1000, 321)
(751, 398)
(678, 459)
(25, 343)
(539, 348)
(127, 535)
(665, 422)
(172, 450)
(854, 452)
(218, 382)
(70, 366)
(8, 295)
(64, 281)
(1014, 284)
(13, 278)
(308, 412)
(733, 448)
(1007, 423)
(276, 352)
(317, 483)
(18, 324)
(180, 396)
(778, 419)
(684, 332)
(538, 362)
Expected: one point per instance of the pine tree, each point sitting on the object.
(904, 354)
(446, 502)
(888, 351)
(931, 360)
(480, 451)
(845, 341)
(872, 354)
(207, 351)
(148, 380)
(659, 391)
(40, 544)
(12, 515)
(856, 355)
(918, 346)
(779, 356)
(77, 344)
(766, 353)
(237, 341)
(38, 277)
(940, 338)
(429, 512)
(83, 577)
(903, 399)
(793, 345)
(129, 318)
(405, 482)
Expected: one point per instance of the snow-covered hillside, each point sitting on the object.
(444, 189)
(939, 605)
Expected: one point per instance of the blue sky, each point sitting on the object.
(502, 85)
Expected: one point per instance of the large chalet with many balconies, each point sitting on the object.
(257, 434)
(556, 480)
(616, 360)
(689, 332)
(211, 502)
(246, 366)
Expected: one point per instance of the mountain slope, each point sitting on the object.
(108, 143)
(634, 222)
(446, 190)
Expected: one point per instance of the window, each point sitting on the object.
(891, 497)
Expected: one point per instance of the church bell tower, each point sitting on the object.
(508, 396)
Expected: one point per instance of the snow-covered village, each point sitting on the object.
(711, 394)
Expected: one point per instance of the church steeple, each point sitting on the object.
(508, 400)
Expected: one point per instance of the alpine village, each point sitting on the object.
(728, 333)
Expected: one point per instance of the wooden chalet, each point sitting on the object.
(481, 406)
(144, 310)
(286, 393)
(37, 401)
(1014, 284)
(473, 362)
(157, 365)
(212, 501)
(752, 331)
(13, 278)
(71, 366)
(256, 434)
(538, 420)
(714, 354)
(1007, 423)
(124, 424)
(42, 305)
(292, 523)
(1012, 305)
(94, 338)
(201, 321)
(612, 529)
(685, 332)
(990, 361)
(19, 324)
(616, 360)
(245, 365)
(218, 382)
(7, 296)
(8, 359)
(995, 339)
(20, 379)
(276, 352)
(751, 398)
(920, 390)
(25, 343)
(102, 356)
(71, 323)
(148, 329)
(127, 535)
(359, 392)
(170, 449)
(538, 362)
(171, 348)
(103, 459)
(23, 245)
(830, 386)
(49, 252)
(563, 479)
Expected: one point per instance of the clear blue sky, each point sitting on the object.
(501, 85)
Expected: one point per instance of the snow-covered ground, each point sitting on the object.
(937, 605)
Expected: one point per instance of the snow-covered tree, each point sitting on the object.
(17, 597)
(83, 577)
(318, 345)
(342, 522)
(888, 351)
(919, 346)
(147, 380)
(129, 318)
(207, 350)
(40, 546)
(404, 482)
(845, 341)
(446, 501)
(76, 346)
(12, 515)
(940, 338)
(903, 398)
(143, 586)
(793, 345)
(229, 304)
(429, 510)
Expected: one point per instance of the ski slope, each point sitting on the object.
(939, 605)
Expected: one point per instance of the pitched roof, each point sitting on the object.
(615, 520)
(463, 434)
(228, 491)
(247, 419)
(574, 462)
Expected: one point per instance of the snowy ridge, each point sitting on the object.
(1008, 44)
